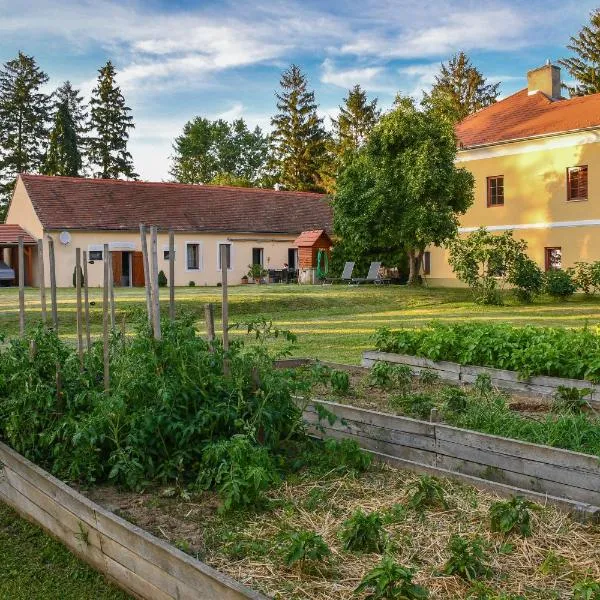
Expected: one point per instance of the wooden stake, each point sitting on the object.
(21, 286)
(171, 275)
(53, 284)
(79, 307)
(86, 300)
(209, 316)
(225, 301)
(111, 290)
(154, 280)
(42, 278)
(146, 272)
(107, 274)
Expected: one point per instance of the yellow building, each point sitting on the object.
(257, 226)
(535, 157)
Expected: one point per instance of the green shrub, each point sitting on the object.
(391, 581)
(192, 284)
(586, 276)
(337, 456)
(162, 279)
(511, 516)
(526, 278)
(416, 404)
(340, 382)
(402, 376)
(483, 384)
(570, 400)
(559, 284)
(363, 532)
(467, 558)
(304, 547)
(427, 492)
(380, 375)
(586, 590)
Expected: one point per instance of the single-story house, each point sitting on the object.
(257, 226)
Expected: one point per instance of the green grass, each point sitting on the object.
(33, 566)
(332, 322)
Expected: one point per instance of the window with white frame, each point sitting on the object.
(228, 254)
(193, 256)
(95, 252)
(258, 256)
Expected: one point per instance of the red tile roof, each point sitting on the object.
(310, 238)
(74, 203)
(9, 235)
(522, 115)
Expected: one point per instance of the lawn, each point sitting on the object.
(332, 322)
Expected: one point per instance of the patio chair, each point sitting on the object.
(372, 276)
(345, 277)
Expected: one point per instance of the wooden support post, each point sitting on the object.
(42, 278)
(21, 286)
(53, 300)
(146, 272)
(107, 275)
(209, 316)
(86, 300)
(171, 275)
(79, 307)
(225, 307)
(434, 416)
(111, 290)
(154, 282)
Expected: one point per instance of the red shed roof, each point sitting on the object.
(525, 115)
(311, 238)
(9, 235)
(93, 204)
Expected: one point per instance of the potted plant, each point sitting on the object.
(256, 272)
(244, 279)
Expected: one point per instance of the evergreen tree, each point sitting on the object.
(24, 115)
(357, 118)
(67, 142)
(298, 138)
(459, 90)
(584, 68)
(110, 120)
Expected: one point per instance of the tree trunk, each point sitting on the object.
(415, 259)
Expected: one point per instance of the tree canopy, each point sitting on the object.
(584, 67)
(402, 190)
(459, 90)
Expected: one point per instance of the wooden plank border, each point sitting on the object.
(136, 561)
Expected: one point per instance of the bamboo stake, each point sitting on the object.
(111, 290)
(86, 300)
(171, 275)
(53, 284)
(42, 278)
(21, 286)
(79, 307)
(209, 316)
(154, 286)
(107, 274)
(146, 272)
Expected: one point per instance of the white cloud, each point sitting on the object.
(368, 77)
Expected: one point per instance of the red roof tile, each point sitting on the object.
(74, 203)
(522, 115)
(9, 234)
(309, 238)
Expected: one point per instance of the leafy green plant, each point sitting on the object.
(586, 590)
(402, 376)
(337, 456)
(391, 581)
(483, 384)
(380, 375)
(192, 283)
(455, 399)
(363, 532)
(586, 276)
(559, 284)
(162, 279)
(340, 382)
(526, 279)
(511, 516)
(304, 547)
(416, 404)
(571, 400)
(427, 492)
(467, 558)
(256, 271)
(395, 514)
(428, 377)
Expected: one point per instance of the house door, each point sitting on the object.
(137, 263)
(117, 267)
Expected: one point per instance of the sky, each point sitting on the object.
(180, 59)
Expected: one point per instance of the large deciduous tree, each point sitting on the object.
(24, 116)
(459, 90)
(298, 140)
(402, 190)
(584, 67)
(220, 152)
(67, 143)
(110, 121)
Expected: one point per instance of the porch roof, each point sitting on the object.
(10, 233)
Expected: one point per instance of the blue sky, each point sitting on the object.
(179, 59)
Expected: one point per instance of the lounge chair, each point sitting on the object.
(372, 276)
(346, 275)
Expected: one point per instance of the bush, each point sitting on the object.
(391, 581)
(526, 278)
(363, 533)
(192, 284)
(559, 284)
(586, 276)
(162, 279)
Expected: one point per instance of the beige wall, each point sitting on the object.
(275, 254)
(535, 198)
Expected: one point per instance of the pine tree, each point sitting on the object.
(24, 115)
(298, 138)
(67, 142)
(585, 67)
(110, 120)
(459, 90)
(356, 120)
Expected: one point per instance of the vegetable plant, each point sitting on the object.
(417, 405)
(340, 382)
(391, 581)
(380, 375)
(427, 492)
(571, 400)
(467, 558)
(304, 547)
(363, 532)
(586, 589)
(428, 377)
(512, 515)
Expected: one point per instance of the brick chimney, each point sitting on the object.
(545, 79)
